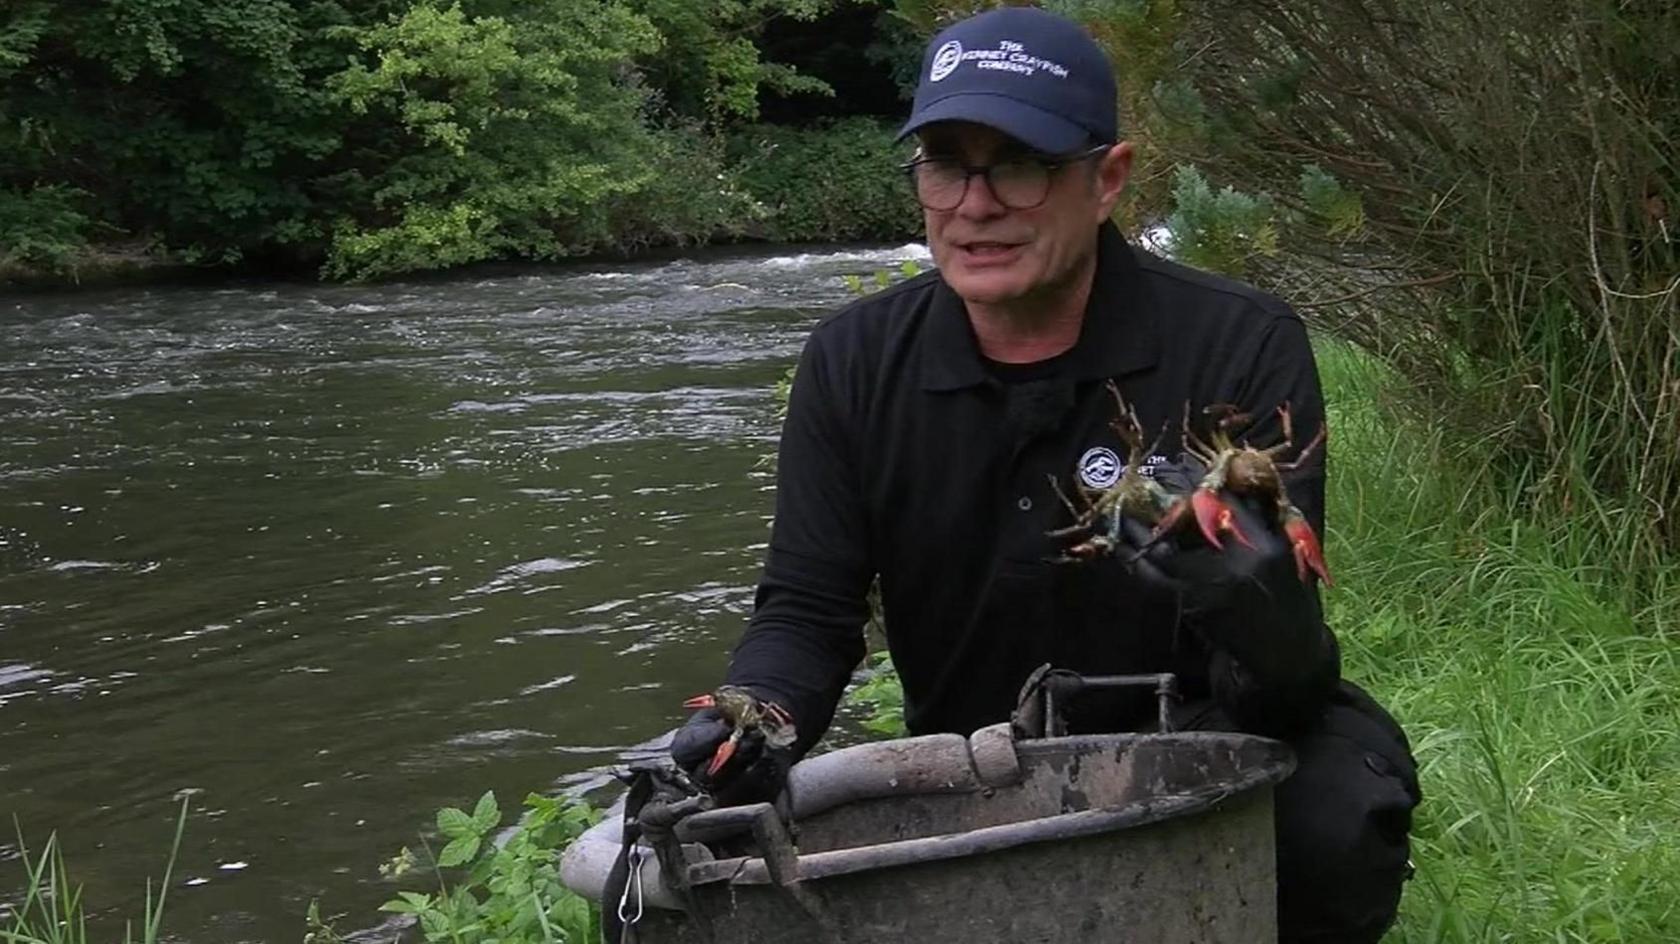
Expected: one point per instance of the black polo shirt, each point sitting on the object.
(906, 454)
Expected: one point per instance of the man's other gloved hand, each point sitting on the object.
(753, 773)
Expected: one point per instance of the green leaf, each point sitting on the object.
(458, 852)
(408, 903)
(454, 823)
(486, 814)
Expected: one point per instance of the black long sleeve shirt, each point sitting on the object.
(903, 455)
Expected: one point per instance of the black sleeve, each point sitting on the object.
(1284, 684)
(806, 633)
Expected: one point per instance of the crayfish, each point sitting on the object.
(1239, 469)
(1135, 495)
(746, 714)
(1245, 470)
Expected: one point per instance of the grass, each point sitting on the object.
(52, 910)
(1539, 681)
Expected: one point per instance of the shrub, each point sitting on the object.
(42, 228)
(836, 181)
(692, 196)
(1484, 193)
(511, 892)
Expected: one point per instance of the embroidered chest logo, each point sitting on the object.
(1099, 467)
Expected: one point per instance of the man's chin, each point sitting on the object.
(987, 287)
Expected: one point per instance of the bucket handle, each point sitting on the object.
(1058, 686)
(775, 847)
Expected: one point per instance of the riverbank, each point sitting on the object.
(831, 182)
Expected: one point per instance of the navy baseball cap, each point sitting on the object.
(1033, 75)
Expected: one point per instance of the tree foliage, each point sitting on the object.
(834, 181)
(375, 136)
(486, 137)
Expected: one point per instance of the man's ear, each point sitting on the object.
(1114, 168)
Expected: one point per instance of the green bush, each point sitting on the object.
(511, 892)
(693, 195)
(836, 181)
(42, 228)
(499, 136)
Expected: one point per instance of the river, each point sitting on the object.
(327, 558)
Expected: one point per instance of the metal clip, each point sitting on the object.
(635, 859)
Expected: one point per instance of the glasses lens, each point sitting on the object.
(1019, 184)
(940, 183)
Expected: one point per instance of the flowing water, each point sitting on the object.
(327, 558)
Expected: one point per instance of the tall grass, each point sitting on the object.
(1539, 681)
(52, 911)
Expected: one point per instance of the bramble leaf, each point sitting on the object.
(454, 823)
(486, 814)
(458, 852)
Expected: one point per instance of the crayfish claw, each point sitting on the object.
(707, 700)
(1215, 517)
(725, 751)
(1209, 509)
(1309, 556)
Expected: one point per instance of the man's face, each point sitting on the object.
(991, 254)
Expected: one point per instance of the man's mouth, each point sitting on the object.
(988, 249)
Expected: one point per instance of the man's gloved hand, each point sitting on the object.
(1248, 603)
(754, 773)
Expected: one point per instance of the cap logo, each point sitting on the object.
(1099, 467)
(1009, 56)
(945, 61)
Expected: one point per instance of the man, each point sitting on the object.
(926, 422)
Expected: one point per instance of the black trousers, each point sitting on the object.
(1344, 821)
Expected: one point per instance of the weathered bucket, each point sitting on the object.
(1114, 837)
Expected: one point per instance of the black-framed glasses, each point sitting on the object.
(1019, 183)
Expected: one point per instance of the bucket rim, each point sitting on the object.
(752, 870)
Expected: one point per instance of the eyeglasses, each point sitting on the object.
(1019, 183)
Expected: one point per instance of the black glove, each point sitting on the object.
(1273, 658)
(753, 773)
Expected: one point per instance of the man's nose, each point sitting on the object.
(979, 202)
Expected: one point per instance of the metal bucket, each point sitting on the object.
(1115, 837)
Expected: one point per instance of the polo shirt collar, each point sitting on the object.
(1117, 336)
